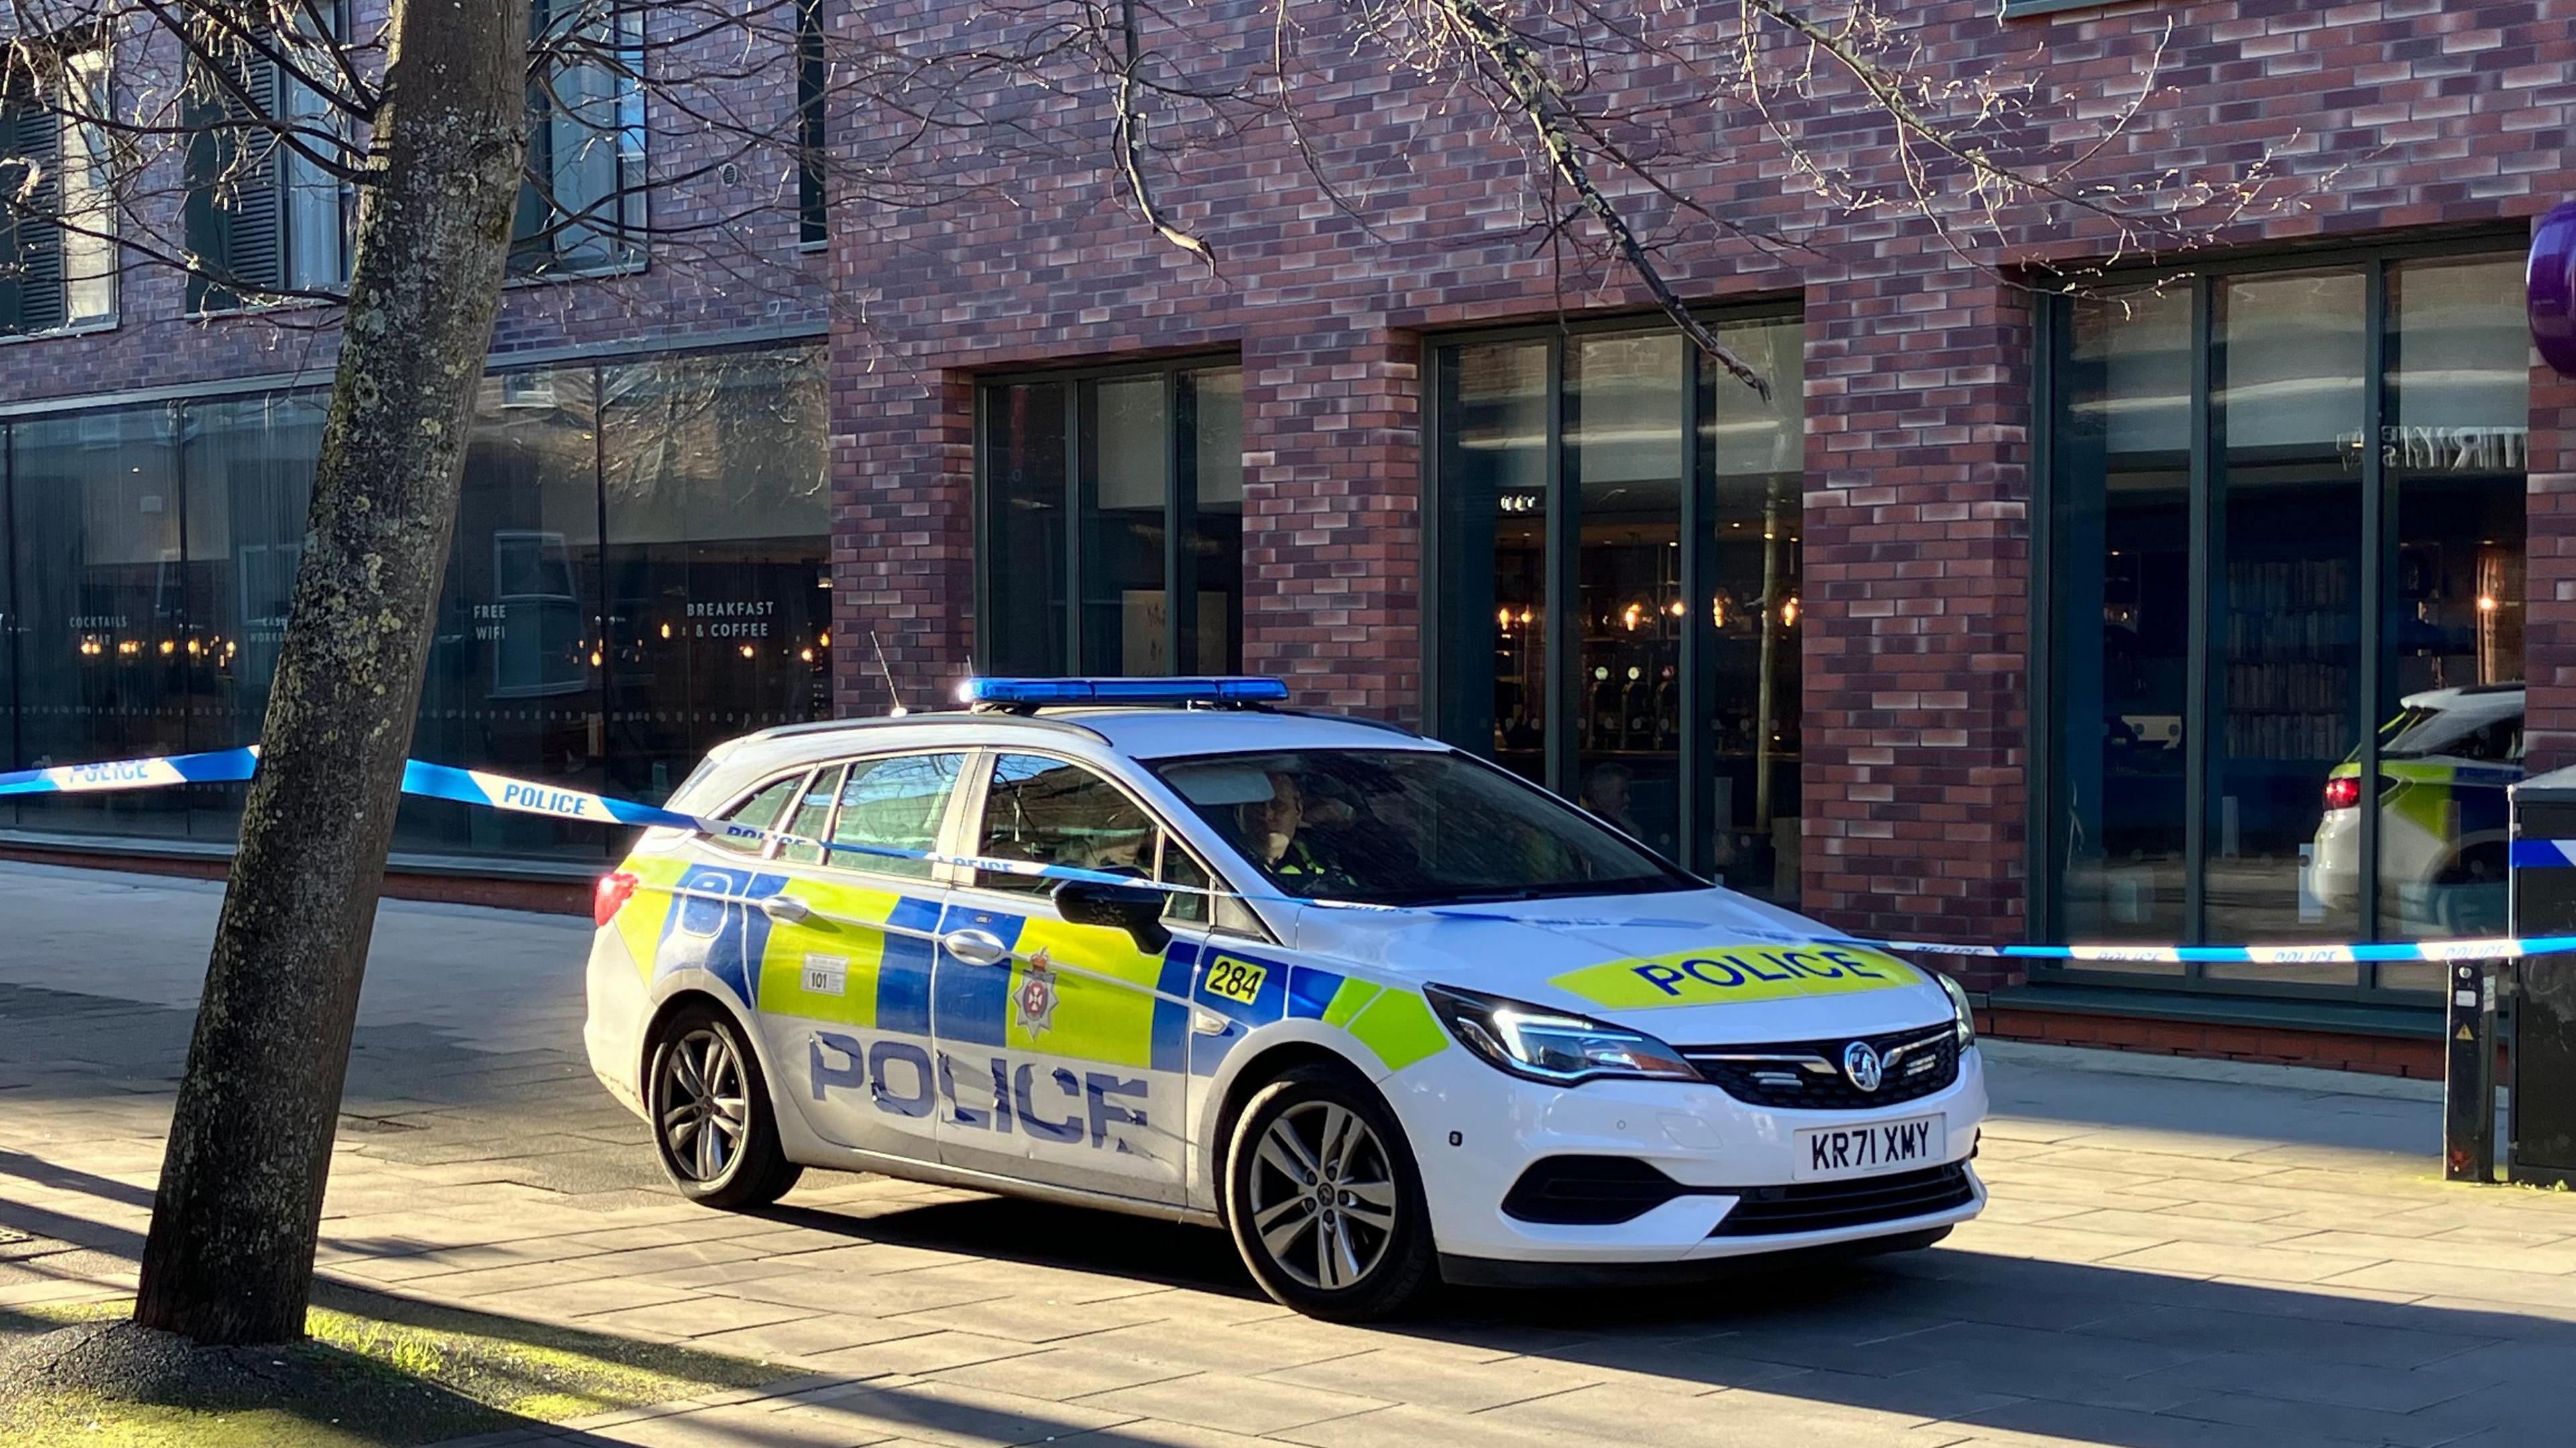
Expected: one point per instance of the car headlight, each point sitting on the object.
(1967, 1017)
(1540, 1044)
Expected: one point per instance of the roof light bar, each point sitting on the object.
(1031, 693)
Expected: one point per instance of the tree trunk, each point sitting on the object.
(230, 1256)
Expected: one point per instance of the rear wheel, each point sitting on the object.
(712, 1127)
(1324, 1200)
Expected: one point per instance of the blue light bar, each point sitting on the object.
(1031, 693)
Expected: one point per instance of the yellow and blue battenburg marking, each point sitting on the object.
(1729, 974)
(519, 796)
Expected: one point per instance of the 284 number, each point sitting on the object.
(1236, 980)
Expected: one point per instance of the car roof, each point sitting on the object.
(1130, 732)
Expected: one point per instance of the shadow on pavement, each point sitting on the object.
(2092, 1353)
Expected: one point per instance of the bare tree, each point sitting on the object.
(473, 140)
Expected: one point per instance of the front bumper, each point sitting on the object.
(1475, 1131)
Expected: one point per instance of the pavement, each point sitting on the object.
(2177, 1253)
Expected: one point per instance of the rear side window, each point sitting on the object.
(895, 804)
(813, 810)
(761, 811)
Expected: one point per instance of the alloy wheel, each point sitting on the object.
(1323, 1196)
(705, 1108)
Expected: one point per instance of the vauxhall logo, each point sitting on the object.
(1861, 1064)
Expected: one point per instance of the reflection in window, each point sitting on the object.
(102, 609)
(513, 677)
(2286, 597)
(1493, 440)
(58, 236)
(718, 559)
(2122, 527)
(581, 208)
(1048, 812)
(2271, 784)
(1150, 467)
(895, 804)
(149, 615)
(1591, 701)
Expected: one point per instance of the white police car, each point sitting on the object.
(1383, 1010)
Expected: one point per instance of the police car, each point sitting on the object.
(1385, 1012)
(2445, 764)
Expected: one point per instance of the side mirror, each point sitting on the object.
(1136, 909)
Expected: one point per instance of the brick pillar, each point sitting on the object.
(1917, 614)
(903, 527)
(1332, 528)
(2549, 589)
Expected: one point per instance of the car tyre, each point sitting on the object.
(708, 1105)
(1324, 1200)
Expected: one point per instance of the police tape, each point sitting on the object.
(480, 788)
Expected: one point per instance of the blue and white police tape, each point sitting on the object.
(520, 796)
(221, 766)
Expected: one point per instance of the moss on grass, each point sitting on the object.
(375, 1372)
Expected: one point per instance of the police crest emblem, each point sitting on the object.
(1035, 998)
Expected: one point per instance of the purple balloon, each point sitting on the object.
(2553, 288)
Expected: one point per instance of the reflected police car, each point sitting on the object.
(1386, 1012)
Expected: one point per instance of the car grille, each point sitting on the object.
(1825, 1206)
(1808, 1075)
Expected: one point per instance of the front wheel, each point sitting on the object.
(1323, 1198)
(712, 1127)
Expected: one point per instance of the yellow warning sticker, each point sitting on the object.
(1718, 975)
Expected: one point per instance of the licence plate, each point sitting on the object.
(1826, 1152)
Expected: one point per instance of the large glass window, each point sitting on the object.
(719, 562)
(153, 554)
(1659, 500)
(2286, 551)
(1105, 498)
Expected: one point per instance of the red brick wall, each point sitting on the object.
(1917, 609)
(2549, 630)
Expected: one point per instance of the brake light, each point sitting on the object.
(2342, 792)
(610, 896)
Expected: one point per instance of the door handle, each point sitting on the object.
(785, 909)
(976, 947)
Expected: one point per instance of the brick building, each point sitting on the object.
(2009, 617)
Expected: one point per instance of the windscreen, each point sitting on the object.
(1409, 827)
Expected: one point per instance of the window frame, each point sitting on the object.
(551, 252)
(1180, 498)
(71, 46)
(1694, 765)
(2051, 347)
(215, 294)
(969, 840)
(943, 843)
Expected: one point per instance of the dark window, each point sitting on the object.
(813, 75)
(266, 211)
(581, 208)
(1106, 498)
(57, 235)
(2278, 576)
(154, 553)
(1611, 519)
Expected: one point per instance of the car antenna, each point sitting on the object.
(888, 670)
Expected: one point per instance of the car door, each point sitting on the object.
(844, 989)
(1063, 1050)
